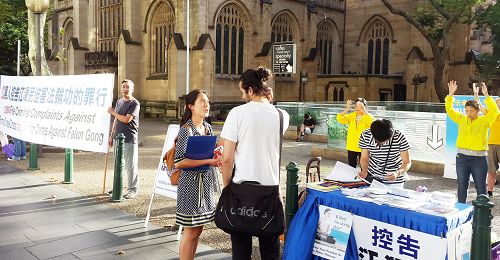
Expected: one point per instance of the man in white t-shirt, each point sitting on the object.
(251, 144)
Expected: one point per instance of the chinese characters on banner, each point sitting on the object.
(63, 111)
(378, 240)
(332, 235)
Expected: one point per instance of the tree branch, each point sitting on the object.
(410, 19)
(446, 30)
(440, 9)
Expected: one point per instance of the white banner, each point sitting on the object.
(63, 111)
(332, 235)
(162, 181)
(378, 240)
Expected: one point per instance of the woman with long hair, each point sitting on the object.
(195, 193)
(472, 143)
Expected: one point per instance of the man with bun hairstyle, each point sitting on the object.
(251, 145)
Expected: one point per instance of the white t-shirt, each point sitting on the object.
(254, 128)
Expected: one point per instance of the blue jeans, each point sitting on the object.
(19, 149)
(467, 165)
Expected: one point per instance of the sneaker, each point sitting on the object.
(130, 195)
(110, 192)
(10, 159)
(490, 194)
(23, 157)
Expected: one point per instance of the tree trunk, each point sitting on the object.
(439, 85)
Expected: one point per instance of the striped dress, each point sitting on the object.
(195, 192)
(378, 155)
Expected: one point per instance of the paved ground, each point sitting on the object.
(89, 169)
(41, 220)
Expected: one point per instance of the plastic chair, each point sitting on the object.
(313, 168)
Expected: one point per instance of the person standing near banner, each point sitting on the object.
(195, 193)
(126, 121)
(472, 143)
(493, 152)
(19, 149)
(252, 146)
(357, 121)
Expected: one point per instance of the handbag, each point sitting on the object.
(249, 208)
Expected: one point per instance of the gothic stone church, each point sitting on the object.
(345, 49)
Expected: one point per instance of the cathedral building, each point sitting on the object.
(345, 49)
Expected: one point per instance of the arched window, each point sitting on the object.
(229, 41)
(341, 94)
(335, 94)
(110, 21)
(378, 49)
(325, 44)
(162, 30)
(282, 32)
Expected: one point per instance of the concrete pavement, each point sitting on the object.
(41, 220)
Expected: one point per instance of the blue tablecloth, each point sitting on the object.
(301, 233)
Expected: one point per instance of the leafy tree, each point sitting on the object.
(435, 20)
(489, 63)
(13, 27)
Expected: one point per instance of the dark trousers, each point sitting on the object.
(269, 247)
(468, 165)
(353, 158)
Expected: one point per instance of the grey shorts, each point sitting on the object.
(493, 157)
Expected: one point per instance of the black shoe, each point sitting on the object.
(490, 194)
(110, 192)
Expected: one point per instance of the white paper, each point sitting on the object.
(343, 173)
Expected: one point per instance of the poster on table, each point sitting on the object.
(452, 134)
(63, 111)
(162, 181)
(379, 240)
(332, 235)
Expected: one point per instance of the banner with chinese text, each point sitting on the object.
(63, 111)
(379, 240)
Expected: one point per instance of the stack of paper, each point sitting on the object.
(322, 186)
(343, 173)
(444, 199)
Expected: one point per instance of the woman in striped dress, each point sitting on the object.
(195, 193)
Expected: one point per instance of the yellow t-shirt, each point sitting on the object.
(354, 130)
(472, 135)
(495, 132)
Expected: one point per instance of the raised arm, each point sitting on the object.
(493, 111)
(448, 102)
(341, 117)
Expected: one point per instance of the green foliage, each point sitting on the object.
(13, 27)
(489, 64)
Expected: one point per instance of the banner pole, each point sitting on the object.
(105, 171)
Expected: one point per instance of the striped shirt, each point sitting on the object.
(378, 155)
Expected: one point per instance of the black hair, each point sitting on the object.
(362, 100)
(190, 100)
(307, 115)
(472, 103)
(256, 79)
(381, 129)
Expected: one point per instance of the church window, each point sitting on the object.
(325, 44)
(229, 41)
(162, 30)
(378, 49)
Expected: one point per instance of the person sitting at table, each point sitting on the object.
(385, 154)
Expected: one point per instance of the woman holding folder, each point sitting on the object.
(195, 193)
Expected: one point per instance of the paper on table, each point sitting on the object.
(343, 173)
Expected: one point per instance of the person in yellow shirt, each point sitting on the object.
(493, 152)
(357, 122)
(472, 145)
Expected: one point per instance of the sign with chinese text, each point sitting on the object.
(62, 111)
(284, 58)
(332, 235)
(379, 240)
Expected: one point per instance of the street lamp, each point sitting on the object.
(37, 7)
(417, 80)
